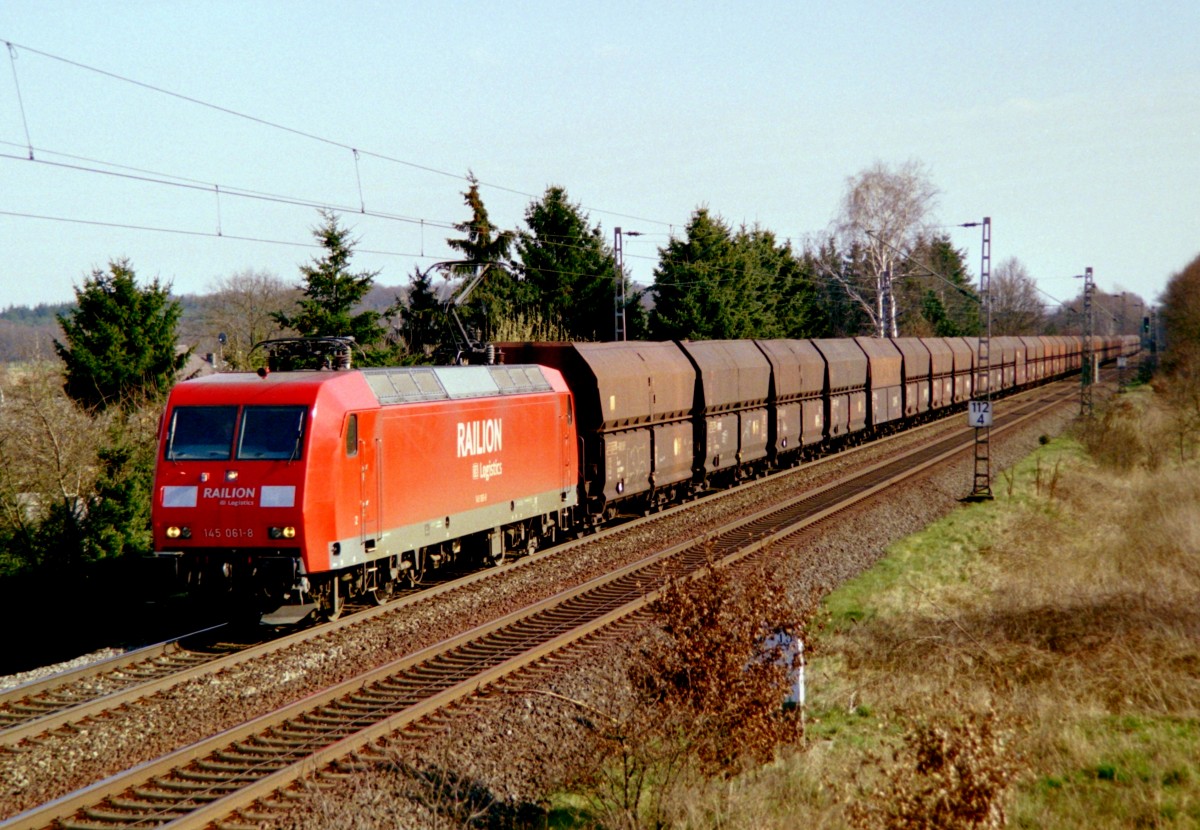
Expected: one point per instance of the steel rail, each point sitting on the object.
(44, 705)
(221, 775)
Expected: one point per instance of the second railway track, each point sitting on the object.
(209, 780)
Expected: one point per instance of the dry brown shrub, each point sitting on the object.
(705, 697)
(718, 665)
(1114, 438)
(949, 773)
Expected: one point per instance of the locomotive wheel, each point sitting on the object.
(415, 575)
(383, 593)
(333, 601)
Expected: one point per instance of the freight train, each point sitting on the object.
(296, 490)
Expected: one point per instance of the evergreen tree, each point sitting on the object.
(424, 318)
(797, 310)
(493, 300)
(566, 269)
(120, 340)
(332, 292)
(723, 285)
(946, 305)
(118, 519)
(775, 291)
(693, 283)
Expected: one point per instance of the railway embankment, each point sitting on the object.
(1028, 661)
(1031, 660)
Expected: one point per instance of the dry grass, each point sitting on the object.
(1044, 647)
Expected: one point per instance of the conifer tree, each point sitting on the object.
(332, 293)
(693, 280)
(424, 319)
(494, 299)
(120, 338)
(566, 269)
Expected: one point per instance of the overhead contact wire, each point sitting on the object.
(12, 59)
(297, 132)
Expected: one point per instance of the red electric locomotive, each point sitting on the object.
(303, 488)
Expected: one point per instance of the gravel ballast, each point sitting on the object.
(511, 748)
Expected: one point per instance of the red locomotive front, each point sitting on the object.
(304, 488)
(231, 478)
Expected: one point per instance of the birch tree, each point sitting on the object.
(883, 214)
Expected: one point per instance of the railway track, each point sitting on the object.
(34, 708)
(70, 698)
(220, 780)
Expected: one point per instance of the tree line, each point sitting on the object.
(77, 436)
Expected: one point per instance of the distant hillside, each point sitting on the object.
(28, 333)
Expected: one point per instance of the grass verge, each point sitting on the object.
(1028, 662)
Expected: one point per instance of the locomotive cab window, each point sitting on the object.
(201, 433)
(271, 433)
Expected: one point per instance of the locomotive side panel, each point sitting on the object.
(455, 468)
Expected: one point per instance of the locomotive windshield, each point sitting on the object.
(201, 433)
(206, 433)
(271, 433)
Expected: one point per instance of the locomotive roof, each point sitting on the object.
(400, 384)
(439, 383)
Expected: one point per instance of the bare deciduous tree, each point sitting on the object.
(240, 306)
(1016, 306)
(883, 214)
(47, 454)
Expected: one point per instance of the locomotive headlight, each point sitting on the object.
(231, 475)
(173, 532)
(289, 533)
(282, 532)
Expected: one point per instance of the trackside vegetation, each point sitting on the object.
(1029, 662)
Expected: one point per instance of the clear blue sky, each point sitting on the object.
(1076, 127)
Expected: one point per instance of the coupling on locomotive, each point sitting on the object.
(294, 490)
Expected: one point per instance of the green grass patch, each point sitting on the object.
(1130, 771)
